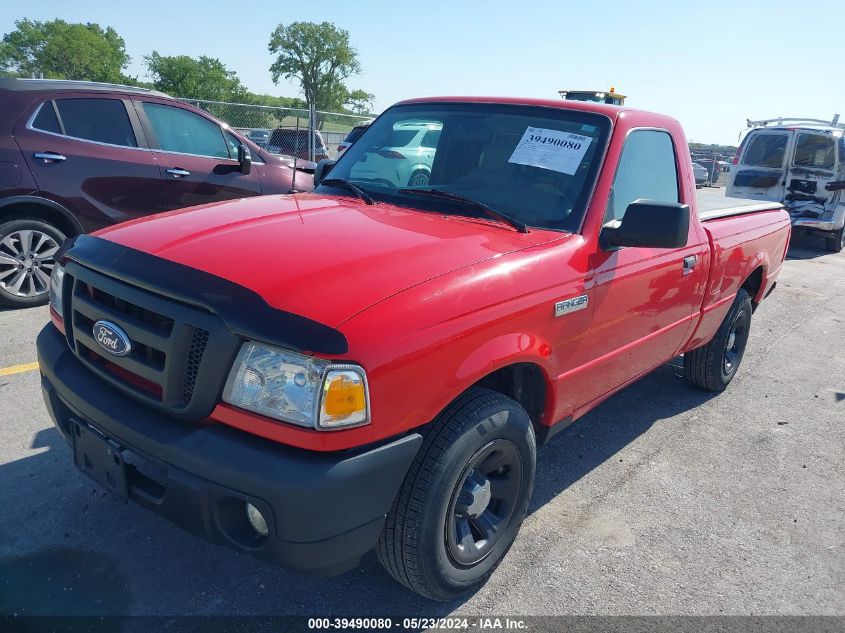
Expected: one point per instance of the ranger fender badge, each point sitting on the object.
(571, 305)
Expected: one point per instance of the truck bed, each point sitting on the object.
(712, 207)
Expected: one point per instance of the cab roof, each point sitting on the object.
(613, 112)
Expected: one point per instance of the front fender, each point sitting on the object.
(499, 352)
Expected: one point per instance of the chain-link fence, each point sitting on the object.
(284, 130)
(715, 164)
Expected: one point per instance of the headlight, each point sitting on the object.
(298, 389)
(55, 294)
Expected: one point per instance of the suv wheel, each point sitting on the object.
(418, 179)
(464, 498)
(27, 249)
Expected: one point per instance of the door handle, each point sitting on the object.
(50, 157)
(689, 263)
(178, 172)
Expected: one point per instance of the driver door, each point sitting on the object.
(645, 299)
(198, 162)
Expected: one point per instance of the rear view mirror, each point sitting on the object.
(323, 167)
(244, 159)
(649, 224)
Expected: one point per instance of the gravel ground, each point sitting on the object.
(664, 500)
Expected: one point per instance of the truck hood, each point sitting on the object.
(322, 257)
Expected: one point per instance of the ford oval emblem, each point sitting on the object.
(111, 338)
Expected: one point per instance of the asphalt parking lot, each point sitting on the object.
(664, 500)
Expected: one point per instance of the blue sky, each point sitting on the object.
(709, 63)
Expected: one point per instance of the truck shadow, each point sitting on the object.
(69, 548)
(806, 247)
(595, 438)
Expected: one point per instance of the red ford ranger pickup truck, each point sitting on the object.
(372, 364)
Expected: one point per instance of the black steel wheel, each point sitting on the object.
(735, 343)
(483, 502)
(464, 497)
(714, 365)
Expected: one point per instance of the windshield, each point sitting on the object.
(535, 164)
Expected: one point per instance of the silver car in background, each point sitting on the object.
(701, 175)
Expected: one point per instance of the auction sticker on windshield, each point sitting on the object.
(551, 149)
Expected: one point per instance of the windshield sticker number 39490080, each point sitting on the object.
(551, 149)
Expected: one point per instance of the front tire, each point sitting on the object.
(713, 366)
(836, 242)
(464, 498)
(27, 247)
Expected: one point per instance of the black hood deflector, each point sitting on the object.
(244, 311)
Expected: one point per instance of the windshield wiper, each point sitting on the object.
(351, 186)
(456, 197)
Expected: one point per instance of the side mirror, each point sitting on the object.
(649, 224)
(323, 167)
(245, 159)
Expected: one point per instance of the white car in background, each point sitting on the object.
(406, 156)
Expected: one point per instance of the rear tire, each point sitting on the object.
(713, 366)
(464, 498)
(419, 179)
(836, 242)
(27, 247)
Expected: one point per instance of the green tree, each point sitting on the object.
(190, 78)
(62, 50)
(320, 57)
(360, 101)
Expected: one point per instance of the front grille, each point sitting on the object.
(167, 364)
(159, 322)
(192, 366)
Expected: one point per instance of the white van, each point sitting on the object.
(801, 163)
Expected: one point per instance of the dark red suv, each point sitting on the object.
(78, 156)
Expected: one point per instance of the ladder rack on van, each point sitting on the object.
(797, 120)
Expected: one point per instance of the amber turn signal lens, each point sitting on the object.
(344, 399)
(344, 396)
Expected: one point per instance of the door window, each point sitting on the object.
(100, 120)
(46, 119)
(646, 170)
(766, 150)
(232, 143)
(182, 131)
(815, 150)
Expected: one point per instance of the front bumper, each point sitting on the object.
(324, 510)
